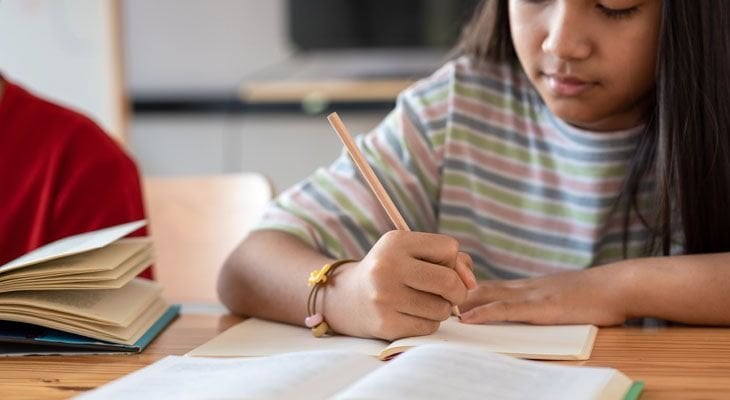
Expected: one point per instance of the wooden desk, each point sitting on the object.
(675, 363)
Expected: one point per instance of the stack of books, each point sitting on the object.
(80, 295)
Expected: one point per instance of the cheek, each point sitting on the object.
(636, 66)
(525, 41)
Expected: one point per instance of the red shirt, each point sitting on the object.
(60, 175)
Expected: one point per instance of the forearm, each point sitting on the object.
(266, 276)
(689, 289)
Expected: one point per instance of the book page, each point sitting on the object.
(111, 306)
(459, 372)
(123, 335)
(73, 245)
(256, 337)
(106, 258)
(304, 375)
(60, 279)
(549, 342)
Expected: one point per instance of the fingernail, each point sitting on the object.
(465, 316)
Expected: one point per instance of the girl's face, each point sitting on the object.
(593, 62)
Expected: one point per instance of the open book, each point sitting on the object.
(256, 337)
(427, 372)
(81, 292)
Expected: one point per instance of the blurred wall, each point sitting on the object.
(197, 47)
(67, 51)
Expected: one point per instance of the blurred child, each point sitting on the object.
(60, 175)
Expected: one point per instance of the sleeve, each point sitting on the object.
(335, 211)
(97, 185)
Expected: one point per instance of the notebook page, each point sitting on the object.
(458, 372)
(255, 337)
(305, 375)
(551, 342)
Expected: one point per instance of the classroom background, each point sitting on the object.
(181, 73)
(223, 103)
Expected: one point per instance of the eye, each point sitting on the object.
(616, 13)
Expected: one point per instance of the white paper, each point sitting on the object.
(73, 245)
(459, 372)
(256, 337)
(428, 372)
(305, 375)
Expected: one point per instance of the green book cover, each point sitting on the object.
(634, 391)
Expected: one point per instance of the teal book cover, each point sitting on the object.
(20, 339)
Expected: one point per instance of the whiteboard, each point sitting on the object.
(67, 51)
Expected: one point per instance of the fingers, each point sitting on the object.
(429, 247)
(425, 305)
(405, 325)
(465, 269)
(491, 291)
(497, 311)
(435, 279)
(434, 249)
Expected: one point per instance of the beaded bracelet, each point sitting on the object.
(317, 279)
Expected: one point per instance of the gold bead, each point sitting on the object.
(321, 329)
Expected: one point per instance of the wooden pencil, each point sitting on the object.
(372, 179)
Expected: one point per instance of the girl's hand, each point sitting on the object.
(592, 296)
(405, 286)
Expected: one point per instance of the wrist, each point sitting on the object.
(337, 300)
(628, 288)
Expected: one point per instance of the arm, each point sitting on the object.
(690, 289)
(403, 287)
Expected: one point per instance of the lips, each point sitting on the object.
(567, 85)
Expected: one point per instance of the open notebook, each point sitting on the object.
(256, 337)
(428, 372)
(80, 295)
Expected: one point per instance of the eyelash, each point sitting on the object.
(608, 12)
(617, 14)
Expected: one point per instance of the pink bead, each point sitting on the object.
(313, 320)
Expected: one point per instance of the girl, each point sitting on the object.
(569, 134)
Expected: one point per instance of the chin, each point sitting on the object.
(574, 114)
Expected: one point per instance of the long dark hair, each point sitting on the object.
(686, 144)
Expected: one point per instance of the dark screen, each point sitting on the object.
(328, 24)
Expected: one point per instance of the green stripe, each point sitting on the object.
(430, 187)
(500, 100)
(616, 251)
(330, 243)
(521, 202)
(514, 247)
(403, 201)
(527, 157)
(432, 97)
(363, 221)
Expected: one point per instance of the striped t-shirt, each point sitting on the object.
(473, 152)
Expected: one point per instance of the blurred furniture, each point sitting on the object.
(195, 223)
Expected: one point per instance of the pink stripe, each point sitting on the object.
(435, 111)
(515, 216)
(422, 154)
(407, 182)
(333, 225)
(510, 261)
(362, 197)
(494, 115)
(523, 172)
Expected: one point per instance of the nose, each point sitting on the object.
(567, 37)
